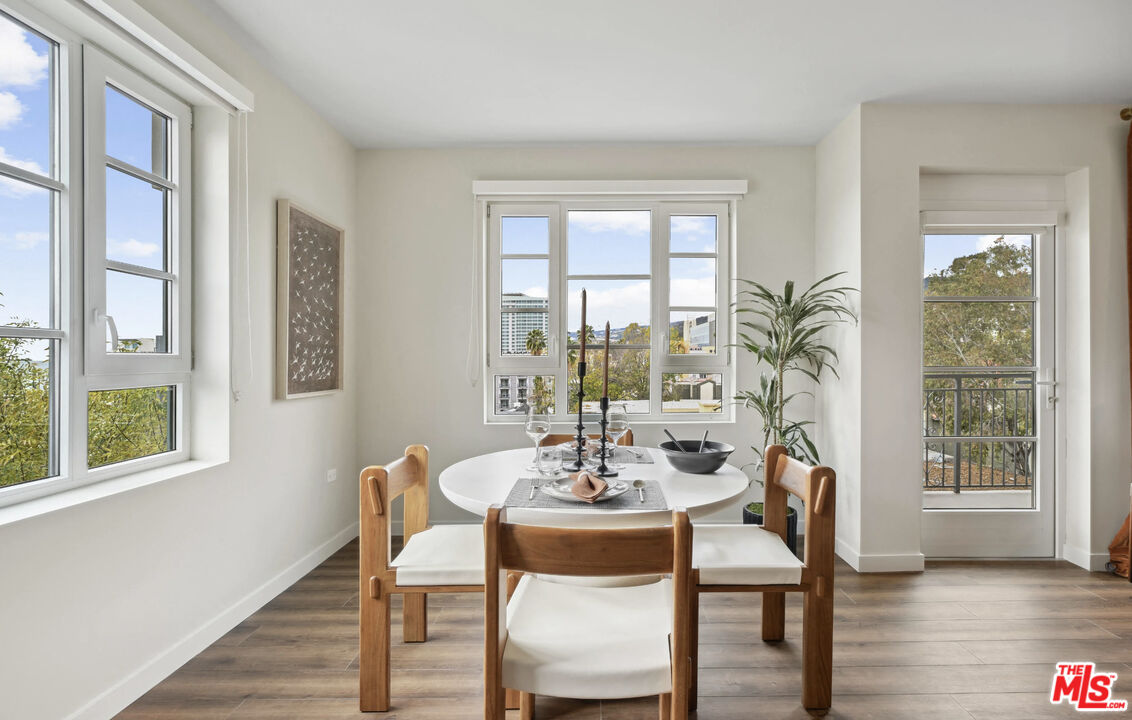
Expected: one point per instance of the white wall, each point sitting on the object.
(837, 240)
(1085, 143)
(415, 279)
(102, 599)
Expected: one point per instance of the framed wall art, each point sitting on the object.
(309, 304)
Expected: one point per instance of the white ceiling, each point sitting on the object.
(472, 72)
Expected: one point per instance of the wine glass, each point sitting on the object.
(617, 424)
(537, 427)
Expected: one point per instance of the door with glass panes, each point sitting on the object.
(989, 391)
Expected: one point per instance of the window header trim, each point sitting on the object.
(515, 188)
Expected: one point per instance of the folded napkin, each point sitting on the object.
(588, 486)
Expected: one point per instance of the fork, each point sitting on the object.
(534, 486)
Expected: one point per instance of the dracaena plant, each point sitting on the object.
(784, 331)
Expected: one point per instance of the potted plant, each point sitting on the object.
(784, 332)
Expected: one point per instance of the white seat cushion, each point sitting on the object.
(442, 555)
(743, 555)
(588, 642)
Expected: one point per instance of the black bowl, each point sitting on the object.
(699, 463)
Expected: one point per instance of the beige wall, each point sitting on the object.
(103, 599)
(415, 279)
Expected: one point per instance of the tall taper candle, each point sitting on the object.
(605, 380)
(582, 339)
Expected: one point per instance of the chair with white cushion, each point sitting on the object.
(445, 558)
(584, 641)
(750, 558)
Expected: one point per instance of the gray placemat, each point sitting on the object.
(654, 498)
(621, 455)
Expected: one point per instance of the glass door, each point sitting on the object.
(989, 392)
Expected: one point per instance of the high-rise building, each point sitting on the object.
(520, 315)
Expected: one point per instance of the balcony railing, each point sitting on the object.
(978, 430)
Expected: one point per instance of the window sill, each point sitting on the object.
(102, 489)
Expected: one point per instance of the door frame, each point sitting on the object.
(1021, 222)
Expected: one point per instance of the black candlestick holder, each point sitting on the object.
(603, 470)
(580, 439)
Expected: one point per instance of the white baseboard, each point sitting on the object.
(137, 683)
(1093, 562)
(910, 562)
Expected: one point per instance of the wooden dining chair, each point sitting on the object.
(439, 559)
(750, 558)
(583, 641)
(559, 438)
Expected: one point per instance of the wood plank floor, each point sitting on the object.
(962, 640)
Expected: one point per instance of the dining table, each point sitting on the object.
(477, 483)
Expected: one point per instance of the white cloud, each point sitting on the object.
(633, 222)
(131, 248)
(985, 242)
(15, 188)
(693, 291)
(536, 291)
(23, 240)
(20, 64)
(10, 110)
(693, 225)
(619, 305)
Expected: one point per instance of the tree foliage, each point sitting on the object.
(976, 335)
(121, 424)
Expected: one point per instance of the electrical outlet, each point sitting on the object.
(331, 475)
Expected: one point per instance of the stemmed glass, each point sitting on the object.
(617, 424)
(537, 428)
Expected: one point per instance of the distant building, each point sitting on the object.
(698, 331)
(522, 314)
(511, 394)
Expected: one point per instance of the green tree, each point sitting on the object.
(25, 426)
(121, 424)
(981, 335)
(990, 334)
(536, 342)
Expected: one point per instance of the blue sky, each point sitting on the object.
(941, 250)
(135, 213)
(611, 242)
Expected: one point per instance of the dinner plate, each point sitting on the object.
(560, 490)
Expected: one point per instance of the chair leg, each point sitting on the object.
(694, 650)
(526, 706)
(817, 651)
(665, 706)
(774, 616)
(414, 617)
(373, 659)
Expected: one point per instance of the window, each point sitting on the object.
(656, 270)
(95, 358)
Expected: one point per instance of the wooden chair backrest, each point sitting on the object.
(379, 486)
(578, 551)
(559, 438)
(816, 486)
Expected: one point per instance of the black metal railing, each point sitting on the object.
(978, 430)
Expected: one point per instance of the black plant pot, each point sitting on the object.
(753, 515)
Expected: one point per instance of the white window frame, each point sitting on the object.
(663, 201)
(98, 72)
(79, 262)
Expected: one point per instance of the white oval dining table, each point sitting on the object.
(479, 482)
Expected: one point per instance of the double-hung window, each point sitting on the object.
(657, 270)
(95, 356)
